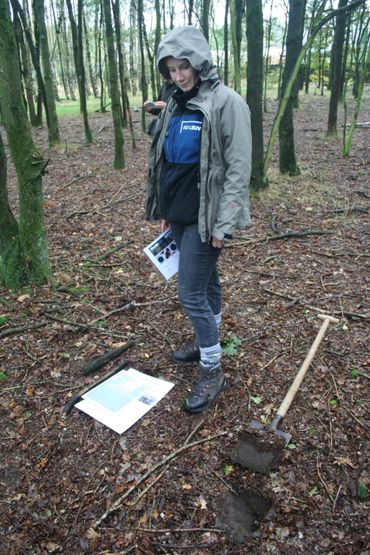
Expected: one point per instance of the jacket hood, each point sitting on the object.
(190, 44)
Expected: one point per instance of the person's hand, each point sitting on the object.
(149, 105)
(164, 225)
(216, 243)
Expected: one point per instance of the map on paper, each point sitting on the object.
(124, 398)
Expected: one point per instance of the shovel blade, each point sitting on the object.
(260, 447)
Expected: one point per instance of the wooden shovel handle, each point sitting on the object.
(288, 399)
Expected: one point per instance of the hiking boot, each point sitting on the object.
(211, 382)
(189, 352)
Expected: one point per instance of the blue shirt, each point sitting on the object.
(180, 170)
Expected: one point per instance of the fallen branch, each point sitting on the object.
(295, 300)
(78, 178)
(178, 530)
(361, 209)
(128, 306)
(108, 253)
(298, 234)
(362, 193)
(116, 505)
(323, 481)
(361, 125)
(365, 426)
(339, 255)
(167, 466)
(20, 329)
(84, 326)
(99, 362)
(280, 236)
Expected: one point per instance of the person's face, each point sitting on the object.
(181, 73)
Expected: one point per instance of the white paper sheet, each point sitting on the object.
(124, 398)
(164, 254)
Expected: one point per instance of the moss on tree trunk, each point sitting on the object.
(24, 257)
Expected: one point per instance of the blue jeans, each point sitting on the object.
(199, 288)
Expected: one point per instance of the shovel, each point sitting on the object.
(260, 447)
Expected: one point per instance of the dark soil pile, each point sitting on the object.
(306, 253)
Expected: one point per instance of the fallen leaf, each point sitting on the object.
(30, 390)
(42, 463)
(202, 503)
(22, 298)
(344, 461)
(92, 534)
(53, 547)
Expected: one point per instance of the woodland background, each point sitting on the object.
(75, 283)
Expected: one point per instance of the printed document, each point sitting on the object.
(124, 398)
(164, 254)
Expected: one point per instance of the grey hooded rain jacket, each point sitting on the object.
(225, 156)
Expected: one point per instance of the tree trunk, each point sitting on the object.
(204, 18)
(133, 71)
(66, 52)
(26, 70)
(226, 42)
(89, 62)
(157, 39)
(281, 57)
(267, 58)
(53, 129)
(255, 88)
(119, 160)
(144, 84)
(287, 159)
(337, 58)
(24, 257)
(79, 63)
(12, 263)
(121, 69)
(307, 74)
(150, 62)
(58, 26)
(100, 57)
(35, 56)
(236, 17)
(190, 11)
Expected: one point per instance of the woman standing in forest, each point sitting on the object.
(199, 171)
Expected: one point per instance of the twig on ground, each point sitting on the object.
(355, 418)
(336, 497)
(362, 193)
(271, 361)
(280, 236)
(85, 326)
(322, 481)
(164, 470)
(78, 178)
(128, 306)
(116, 505)
(108, 253)
(177, 530)
(20, 329)
(227, 486)
(340, 255)
(97, 363)
(350, 210)
(295, 300)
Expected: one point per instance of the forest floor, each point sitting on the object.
(59, 476)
